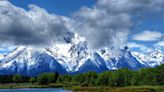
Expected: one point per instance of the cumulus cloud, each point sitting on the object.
(1, 56)
(146, 49)
(131, 6)
(102, 29)
(102, 24)
(159, 44)
(107, 24)
(141, 47)
(6, 47)
(37, 26)
(33, 27)
(148, 36)
(135, 45)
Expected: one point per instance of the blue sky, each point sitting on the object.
(61, 7)
(153, 23)
(146, 29)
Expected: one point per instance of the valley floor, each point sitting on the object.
(87, 89)
(28, 85)
(118, 89)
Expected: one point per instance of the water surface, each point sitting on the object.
(35, 90)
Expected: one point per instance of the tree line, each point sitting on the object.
(118, 78)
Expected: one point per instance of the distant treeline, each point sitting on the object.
(119, 78)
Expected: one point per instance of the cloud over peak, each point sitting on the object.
(148, 36)
(132, 6)
(159, 44)
(33, 27)
(107, 24)
(102, 29)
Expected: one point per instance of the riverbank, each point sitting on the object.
(117, 89)
(28, 85)
(75, 88)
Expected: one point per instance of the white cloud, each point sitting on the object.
(132, 5)
(1, 56)
(159, 44)
(148, 36)
(146, 49)
(135, 45)
(102, 23)
(33, 27)
(7, 47)
(102, 29)
(141, 47)
(107, 23)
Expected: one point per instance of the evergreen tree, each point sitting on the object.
(42, 79)
(17, 79)
(33, 80)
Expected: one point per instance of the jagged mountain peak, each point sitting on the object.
(29, 61)
(2, 56)
(151, 59)
(73, 57)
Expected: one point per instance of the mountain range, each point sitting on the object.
(74, 57)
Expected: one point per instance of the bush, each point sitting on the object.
(46, 78)
(33, 80)
(85, 84)
(42, 79)
(51, 77)
(17, 79)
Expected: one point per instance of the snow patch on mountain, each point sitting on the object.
(74, 57)
(1, 56)
(29, 61)
(151, 59)
(71, 56)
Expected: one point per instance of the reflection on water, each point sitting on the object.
(35, 90)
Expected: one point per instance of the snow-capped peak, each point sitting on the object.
(153, 58)
(71, 55)
(13, 54)
(1, 56)
(74, 57)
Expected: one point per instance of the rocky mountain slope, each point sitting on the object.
(74, 57)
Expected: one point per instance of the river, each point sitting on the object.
(35, 90)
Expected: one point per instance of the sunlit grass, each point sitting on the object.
(28, 85)
(118, 89)
(87, 89)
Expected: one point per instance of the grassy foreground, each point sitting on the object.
(28, 85)
(118, 89)
(87, 89)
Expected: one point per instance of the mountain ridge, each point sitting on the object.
(73, 58)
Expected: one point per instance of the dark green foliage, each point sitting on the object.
(42, 79)
(46, 78)
(89, 78)
(113, 79)
(17, 79)
(160, 74)
(85, 84)
(51, 77)
(122, 77)
(33, 80)
(9, 79)
(6, 79)
(118, 78)
(102, 79)
(65, 79)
